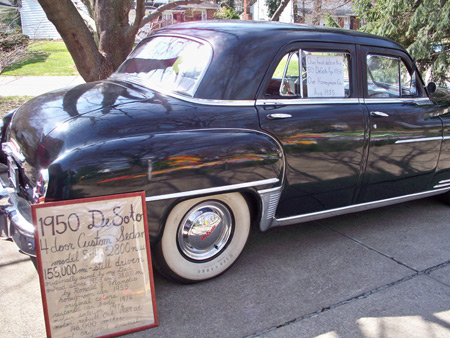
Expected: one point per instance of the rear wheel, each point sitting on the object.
(203, 237)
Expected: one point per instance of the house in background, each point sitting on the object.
(191, 12)
(340, 10)
(36, 25)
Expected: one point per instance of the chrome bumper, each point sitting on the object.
(15, 216)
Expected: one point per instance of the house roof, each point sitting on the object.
(7, 3)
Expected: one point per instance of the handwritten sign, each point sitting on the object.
(94, 266)
(325, 76)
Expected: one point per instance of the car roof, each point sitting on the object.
(276, 31)
(243, 50)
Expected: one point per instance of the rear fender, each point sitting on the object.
(169, 168)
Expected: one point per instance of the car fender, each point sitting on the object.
(169, 167)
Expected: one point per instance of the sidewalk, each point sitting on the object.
(35, 85)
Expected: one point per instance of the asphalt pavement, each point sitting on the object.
(380, 273)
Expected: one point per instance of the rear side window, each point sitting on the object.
(167, 63)
(388, 77)
(311, 74)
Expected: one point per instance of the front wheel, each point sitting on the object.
(203, 237)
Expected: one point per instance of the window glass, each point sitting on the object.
(408, 82)
(167, 64)
(389, 77)
(322, 75)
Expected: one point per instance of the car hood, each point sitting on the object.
(33, 122)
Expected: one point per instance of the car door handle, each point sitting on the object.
(378, 114)
(278, 116)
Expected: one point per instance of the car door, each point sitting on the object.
(405, 133)
(309, 102)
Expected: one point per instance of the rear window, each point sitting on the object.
(167, 64)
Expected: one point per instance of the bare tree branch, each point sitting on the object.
(155, 14)
(280, 9)
(87, 17)
(140, 13)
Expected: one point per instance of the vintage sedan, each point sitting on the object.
(228, 124)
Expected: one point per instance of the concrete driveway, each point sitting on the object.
(380, 273)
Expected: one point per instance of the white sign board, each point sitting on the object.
(94, 266)
(325, 76)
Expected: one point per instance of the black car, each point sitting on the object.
(228, 124)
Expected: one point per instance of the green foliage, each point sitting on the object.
(272, 6)
(330, 22)
(422, 27)
(226, 13)
(10, 17)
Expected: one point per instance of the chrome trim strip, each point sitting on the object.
(354, 208)
(12, 149)
(419, 101)
(288, 102)
(438, 186)
(269, 199)
(442, 184)
(424, 139)
(212, 190)
(211, 102)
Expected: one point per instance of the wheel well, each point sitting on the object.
(255, 208)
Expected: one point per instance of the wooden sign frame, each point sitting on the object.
(94, 265)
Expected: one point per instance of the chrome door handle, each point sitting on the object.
(378, 114)
(278, 116)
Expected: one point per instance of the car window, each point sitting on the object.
(321, 75)
(388, 76)
(168, 64)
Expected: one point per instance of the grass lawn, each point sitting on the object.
(10, 102)
(47, 58)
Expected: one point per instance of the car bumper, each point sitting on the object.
(15, 216)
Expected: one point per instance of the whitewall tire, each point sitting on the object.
(203, 237)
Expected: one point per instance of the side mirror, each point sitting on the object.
(431, 88)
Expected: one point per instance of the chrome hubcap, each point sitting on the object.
(205, 230)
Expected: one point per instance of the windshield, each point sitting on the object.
(167, 63)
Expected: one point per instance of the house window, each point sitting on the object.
(167, 18)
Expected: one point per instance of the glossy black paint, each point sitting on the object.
(324, 147)
(395, 168)
(111, 137)
(108, 138)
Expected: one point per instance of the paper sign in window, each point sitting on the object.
(325, 76)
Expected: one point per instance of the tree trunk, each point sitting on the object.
(280, 9)
(99, 53)
(76, 36)
(317, 12)
(295, 10)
